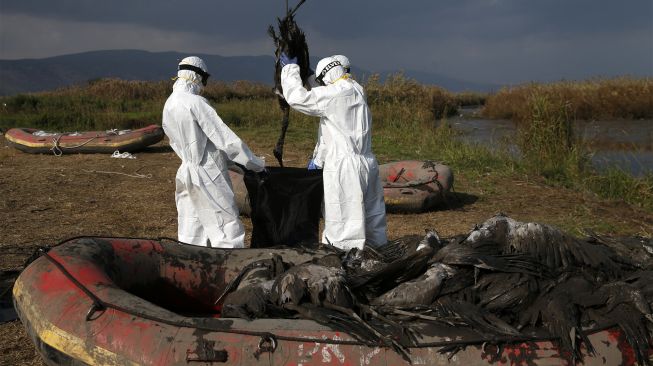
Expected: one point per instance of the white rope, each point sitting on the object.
(135, 175)
(125, 155)
(56, 148)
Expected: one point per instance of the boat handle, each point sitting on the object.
(94, 309)
(268, 343)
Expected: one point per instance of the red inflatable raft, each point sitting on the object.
(415, 185)
(38, 142)
(117, 301)
(408, 186)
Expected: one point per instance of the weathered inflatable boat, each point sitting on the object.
(39, 142)
(408, 186)
(415, 185)
(119, 301)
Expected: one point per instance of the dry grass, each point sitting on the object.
(603, 99)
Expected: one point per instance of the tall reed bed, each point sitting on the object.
(605, 99)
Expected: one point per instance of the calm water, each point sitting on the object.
(626, 144)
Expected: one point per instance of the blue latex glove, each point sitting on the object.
(312, 166)
(285, 60)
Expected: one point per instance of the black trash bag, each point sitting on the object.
(286, 206)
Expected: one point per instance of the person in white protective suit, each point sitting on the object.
(317, 160)
(354, 210)
(207, 212)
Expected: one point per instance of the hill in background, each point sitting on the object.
(31, 75)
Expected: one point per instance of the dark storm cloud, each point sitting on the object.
(239, 19)
(344, 18)
(485, 40)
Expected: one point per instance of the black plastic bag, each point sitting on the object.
(286, 206)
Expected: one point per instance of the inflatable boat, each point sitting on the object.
(410, 186)
(125, 301)
(415, 185)
(35, 141)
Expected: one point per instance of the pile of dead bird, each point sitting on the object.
(503, 280)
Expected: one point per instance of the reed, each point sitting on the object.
(546, 140)
(398, 89)
(618, 98)
(469, 98)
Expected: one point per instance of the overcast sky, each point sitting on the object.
(491, 41)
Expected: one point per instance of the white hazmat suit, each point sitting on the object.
(207, 212)
(354, 210)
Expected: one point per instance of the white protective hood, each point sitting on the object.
(334, 70)
(344, 61)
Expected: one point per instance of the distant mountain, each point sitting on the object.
(451, 84)
(31, 75)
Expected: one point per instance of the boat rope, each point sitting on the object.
(135, 175)
(412, 183)
(100, 305)
(399, 175)
(57, 148)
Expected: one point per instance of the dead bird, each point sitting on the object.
(478, 318)
(250, 302)
(419, 292)
(625, 305)
(632, 251)
(547, 244)
(400, 247)
(251, 297)
(321, 293)
(290, 40)
(309, 282)
(452, 312)
(408, 244)
(357, 261)
(507, 294)
(576, 301)
(371, 284)
(559, 310)
(642, 280)
(484, 253)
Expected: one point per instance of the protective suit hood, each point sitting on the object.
(344, 61)
(190, 74)
(329, 69)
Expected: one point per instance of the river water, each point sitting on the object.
(627, 144)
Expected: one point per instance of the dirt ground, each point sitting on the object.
(46, 199)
